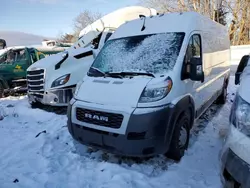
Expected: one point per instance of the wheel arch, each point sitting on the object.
(179, 106)
(4, 83)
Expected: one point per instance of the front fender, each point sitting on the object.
(185, 104)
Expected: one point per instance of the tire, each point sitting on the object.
(180, 138)
(1, 90)
(222, 99)
(35, 105)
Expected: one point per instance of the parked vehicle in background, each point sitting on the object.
(2, 44)
(235, 156)
(52, 81)
(54, 43)
(14, 62)
(151, 80)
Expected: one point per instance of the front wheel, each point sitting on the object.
(180, 139)
(222, 99)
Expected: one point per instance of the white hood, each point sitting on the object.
(47, 61)
(111, 91)
(52, 60)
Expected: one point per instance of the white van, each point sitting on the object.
(52, 81)
(235, 155)
(151, 80)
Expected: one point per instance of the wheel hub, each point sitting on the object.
(183, 137)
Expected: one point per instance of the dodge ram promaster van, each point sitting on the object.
(148, 84)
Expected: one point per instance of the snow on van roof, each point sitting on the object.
(169, 22)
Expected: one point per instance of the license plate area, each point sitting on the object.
(33, 98)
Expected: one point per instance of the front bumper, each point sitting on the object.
(55, 97)
(235, 169)
(235, 156)
(147, 133)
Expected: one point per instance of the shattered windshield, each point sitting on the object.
(12, 55)
(156, 53)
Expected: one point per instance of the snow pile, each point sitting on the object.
(152, 53)
(37, 151)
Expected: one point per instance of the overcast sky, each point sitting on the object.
(50, 17)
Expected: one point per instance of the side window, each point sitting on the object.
(20, 55)
(193, 50)
(107, 36)
(197, 46)
(10, 59)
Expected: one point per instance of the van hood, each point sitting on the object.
(111, 91)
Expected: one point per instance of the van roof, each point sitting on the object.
(170, 22)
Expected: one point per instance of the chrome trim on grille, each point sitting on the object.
(34, 82)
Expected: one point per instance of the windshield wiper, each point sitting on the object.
(131, 74)
(101, 73)
(97, 71)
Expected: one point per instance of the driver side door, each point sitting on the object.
(21, 63)
(196, 88)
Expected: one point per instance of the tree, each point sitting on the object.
(233, 13)
(67, 38)
(84, 19)
(239, 25)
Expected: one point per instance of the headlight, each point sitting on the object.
(61, 80)
(78, 85)
(240, 115)
(152, 94)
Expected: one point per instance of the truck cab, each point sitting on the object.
(52, 81)
(14, 62)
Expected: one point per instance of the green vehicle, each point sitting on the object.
(14, 62)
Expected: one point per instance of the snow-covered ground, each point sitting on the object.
(53, 160)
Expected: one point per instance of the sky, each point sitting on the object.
(51, 18)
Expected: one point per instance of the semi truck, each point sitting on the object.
(52, 81)
(14, 62)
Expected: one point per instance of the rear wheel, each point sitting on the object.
(1, 90)
(180, 139)
(222, 99)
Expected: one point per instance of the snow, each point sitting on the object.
(138, 53)
(53, 159)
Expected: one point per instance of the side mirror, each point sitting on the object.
(243, 63)
(237, 78)
(196, 72)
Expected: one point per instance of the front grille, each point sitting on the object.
(104, 119)
(35, 80)
(35, 72)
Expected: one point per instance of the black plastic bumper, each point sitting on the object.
(147, 134)
(234, 168)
